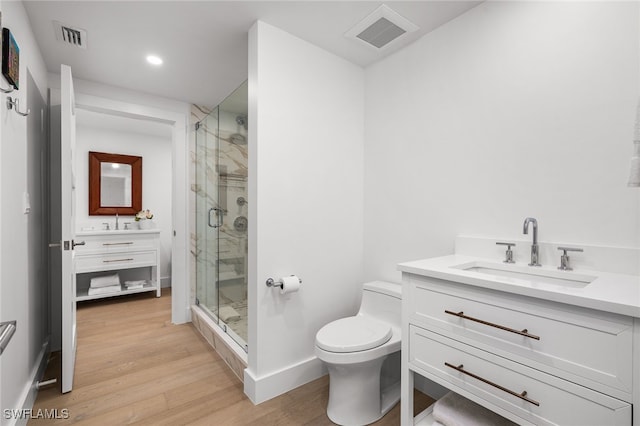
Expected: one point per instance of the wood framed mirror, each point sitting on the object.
(115, 184)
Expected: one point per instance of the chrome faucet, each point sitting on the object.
(119, 227)
(534, 246)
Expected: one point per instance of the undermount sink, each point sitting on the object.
(528, 273)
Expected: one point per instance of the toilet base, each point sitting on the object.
(355, 397)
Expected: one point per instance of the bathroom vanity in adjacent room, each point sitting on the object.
(553, 347)
(133, 254)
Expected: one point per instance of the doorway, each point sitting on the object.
(175, 122)
(178, 227)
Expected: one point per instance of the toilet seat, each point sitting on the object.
(353, 334)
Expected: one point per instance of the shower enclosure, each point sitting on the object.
(221, 215)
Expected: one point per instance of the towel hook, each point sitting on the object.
(11, 103)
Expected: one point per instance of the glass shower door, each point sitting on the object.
(207, 228)
(222, 215)
(233, 201)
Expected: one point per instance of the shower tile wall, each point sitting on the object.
(230, 179)
(232, 198)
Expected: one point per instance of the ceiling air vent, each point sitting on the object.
(71, 36)
(381, 32)
(381, 28)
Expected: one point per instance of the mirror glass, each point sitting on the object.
(115, 184)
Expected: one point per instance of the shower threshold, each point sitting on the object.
(228, 349)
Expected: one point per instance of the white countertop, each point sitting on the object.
(610, 292)
(118, 232)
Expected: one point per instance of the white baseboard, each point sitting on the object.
(30, 391)
(165, 282)
(263, 388)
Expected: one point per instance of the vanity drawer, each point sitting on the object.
(115, 243)
(560, 339)
(113, 261)
(501, 383)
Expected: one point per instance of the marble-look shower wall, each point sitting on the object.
(218, 179)
(232, 197)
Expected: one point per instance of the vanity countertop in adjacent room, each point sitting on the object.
(609, 292)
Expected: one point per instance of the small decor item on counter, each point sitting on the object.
(143, 217)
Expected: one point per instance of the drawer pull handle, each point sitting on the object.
(117, 244)
(522, 395)
(117, 260)
(524, 332)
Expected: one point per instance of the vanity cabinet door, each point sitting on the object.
(559, 339)
(501, 384)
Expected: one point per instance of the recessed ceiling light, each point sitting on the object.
(154, 60)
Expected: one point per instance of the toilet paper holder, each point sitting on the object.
(273, 283)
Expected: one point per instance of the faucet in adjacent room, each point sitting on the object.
(534, 246)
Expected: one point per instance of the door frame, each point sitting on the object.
(180, 293)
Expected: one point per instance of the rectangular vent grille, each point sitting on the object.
(381, 33)
(71, 36)
(381, 29)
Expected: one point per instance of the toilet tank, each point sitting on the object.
(382, 300)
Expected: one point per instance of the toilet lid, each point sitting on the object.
(353, 334)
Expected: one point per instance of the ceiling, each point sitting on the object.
(204, 43)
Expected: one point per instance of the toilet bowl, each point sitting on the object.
(362, 354)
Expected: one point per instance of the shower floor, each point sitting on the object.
(236, 327)
(239, 325)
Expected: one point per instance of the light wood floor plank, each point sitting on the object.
(134, 367)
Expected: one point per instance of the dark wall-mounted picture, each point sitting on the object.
(10, 58)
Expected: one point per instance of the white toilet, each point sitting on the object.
(362, 354)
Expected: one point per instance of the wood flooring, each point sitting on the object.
(134, 367)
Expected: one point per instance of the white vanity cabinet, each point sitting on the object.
(131, 253)
(534, 361)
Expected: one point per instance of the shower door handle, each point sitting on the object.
(211, 210)
(219, 213)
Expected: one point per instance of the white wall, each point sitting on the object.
(514, 109)
(18, 366)
(305, 203)
(155, 151)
